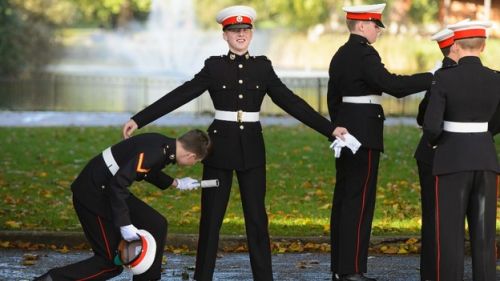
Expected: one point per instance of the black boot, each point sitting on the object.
(356, 277)
(45, 277)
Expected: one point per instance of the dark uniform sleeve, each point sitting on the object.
(434, 116)
(135, 169)
(494, 124)
(176, 98)
(422, 108)
(295, 106)
(159, 179)
(333, 99)
(377, 76)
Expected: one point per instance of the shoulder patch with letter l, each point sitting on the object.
(139, 168)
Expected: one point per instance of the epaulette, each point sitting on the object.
(260, 58)
(216, 57)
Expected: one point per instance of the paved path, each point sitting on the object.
(230, 266)
(53, 118)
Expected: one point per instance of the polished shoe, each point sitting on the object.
(45, 277)
(356, 277)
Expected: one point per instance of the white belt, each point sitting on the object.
(362, 99)
(465, 127)
(237, 116)
(110, 161)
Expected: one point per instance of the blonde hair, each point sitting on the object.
(471, 43)
(351, 24)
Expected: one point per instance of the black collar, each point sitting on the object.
(169, 149)
(236, 57)
(358, 39)
(470, 60)
(448, 62)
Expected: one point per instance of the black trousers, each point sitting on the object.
(470, 194)
(352, 211)
(428, 231)
(214, 201)
(104, 237)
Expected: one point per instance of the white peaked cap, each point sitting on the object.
(147, 255)
(444, 38)
(375, 8)
(470, 29)
(366, 13)
(236, 15)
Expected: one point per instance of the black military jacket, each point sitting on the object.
(425, 152)
(140, 157)
(236, 83)
(356, 70)
(494, 124)
(468, 92)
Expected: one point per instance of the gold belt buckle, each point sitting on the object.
(239, 116)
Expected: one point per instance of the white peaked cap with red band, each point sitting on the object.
(147, 255)
(366, 13)
(236, 17)
(444, 38)
(470, 29)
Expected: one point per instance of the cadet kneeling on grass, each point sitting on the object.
(108, 211)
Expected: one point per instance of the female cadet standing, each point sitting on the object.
(461, 121)
(357, 80)
(237, 83)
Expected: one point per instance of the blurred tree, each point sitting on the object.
(27, 33)
(297, 14)
(424, 11)
(112, 13)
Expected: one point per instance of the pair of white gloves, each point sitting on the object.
(349, 141)
(130, 232)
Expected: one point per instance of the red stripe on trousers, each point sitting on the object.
(438, 244)
(496, 200)
(356, 265)
(97, 274)
(104, 237)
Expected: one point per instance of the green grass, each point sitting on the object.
(38, 165)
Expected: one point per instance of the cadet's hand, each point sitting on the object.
(129, 128)
(187, 183)
(339, 132)
(129, 232)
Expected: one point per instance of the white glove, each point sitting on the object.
(129, 232)
(349, 140)
(187, 183)
(352, 143)
(336, 146)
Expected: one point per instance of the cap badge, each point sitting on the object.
(239, 18)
